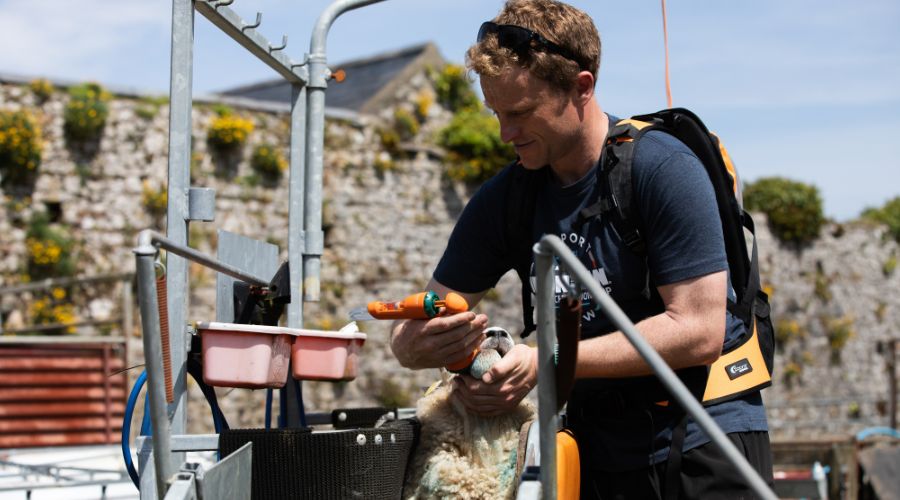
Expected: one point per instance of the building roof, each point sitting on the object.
(368, 83)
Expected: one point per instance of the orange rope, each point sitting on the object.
(666, 44)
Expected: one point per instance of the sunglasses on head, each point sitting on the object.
(517, 38)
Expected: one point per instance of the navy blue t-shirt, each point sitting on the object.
(680, 224)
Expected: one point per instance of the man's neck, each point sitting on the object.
(586, 150)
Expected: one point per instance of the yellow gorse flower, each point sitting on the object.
(20, 145)
(44, 312)
(229, 130)
(43, 252)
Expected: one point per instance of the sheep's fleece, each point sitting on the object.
(461, 455)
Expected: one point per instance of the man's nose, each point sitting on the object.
(508, 131)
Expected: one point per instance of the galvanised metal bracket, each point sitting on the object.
(229, 478)
(245, 34)
(201, 204)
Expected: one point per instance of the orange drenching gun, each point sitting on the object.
(422, 305)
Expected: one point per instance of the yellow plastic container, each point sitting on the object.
(568, 466)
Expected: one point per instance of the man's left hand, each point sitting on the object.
(503, 386)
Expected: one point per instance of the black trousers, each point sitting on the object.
(705, 474)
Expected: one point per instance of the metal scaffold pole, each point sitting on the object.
(318, 78)
(180, 96)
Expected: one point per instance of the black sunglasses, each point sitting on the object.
(517, 38)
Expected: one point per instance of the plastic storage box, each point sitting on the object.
(327, 355)
(250, 356)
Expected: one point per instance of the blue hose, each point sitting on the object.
(126, 427)
(146, 428)
(299, 393)
(877, 431)
(268, 409)
(209, 393)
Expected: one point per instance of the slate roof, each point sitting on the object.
(368, 81)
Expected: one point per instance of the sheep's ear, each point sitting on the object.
(433, 387)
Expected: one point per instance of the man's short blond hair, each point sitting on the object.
(558, 22)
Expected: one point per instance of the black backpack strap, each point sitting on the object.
(743, 309)
(521, 198)
(616, 193)
(672, 486)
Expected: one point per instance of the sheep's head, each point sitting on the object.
(496, 344)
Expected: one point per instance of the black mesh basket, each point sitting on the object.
(350, 463)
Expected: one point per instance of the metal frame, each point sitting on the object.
(544, 251)
(64, 476)
(305, 235)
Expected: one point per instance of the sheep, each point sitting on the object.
(462, 455)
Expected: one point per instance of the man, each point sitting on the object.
(538, 62)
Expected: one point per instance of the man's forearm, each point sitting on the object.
(680, 345)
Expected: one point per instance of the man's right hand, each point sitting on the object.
(437, 342)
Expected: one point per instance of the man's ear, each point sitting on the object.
(584, 86)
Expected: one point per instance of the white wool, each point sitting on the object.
(462, 455)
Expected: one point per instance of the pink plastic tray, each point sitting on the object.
(250, 356)
(326, 355)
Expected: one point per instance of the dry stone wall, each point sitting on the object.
(387, 218)
(833, 302)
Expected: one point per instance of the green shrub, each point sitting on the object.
(791, 372)
(249, 180)
(157, 101)
(889, 266)
(406, 125)
(822, 286)
(268, 162)
(839, 331)
(454, 90)
(880, 311)
(41, 88)
(49, 250)
(85, 114)
(888, 214)
(20, 148)
(155, 200)
(787, 330)
(475, 151)
(146, 111)
(794, 209)
(228, 132)
(222, 110)
(389, 139)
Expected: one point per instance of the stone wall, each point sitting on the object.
(386, 224)
(841, 283)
